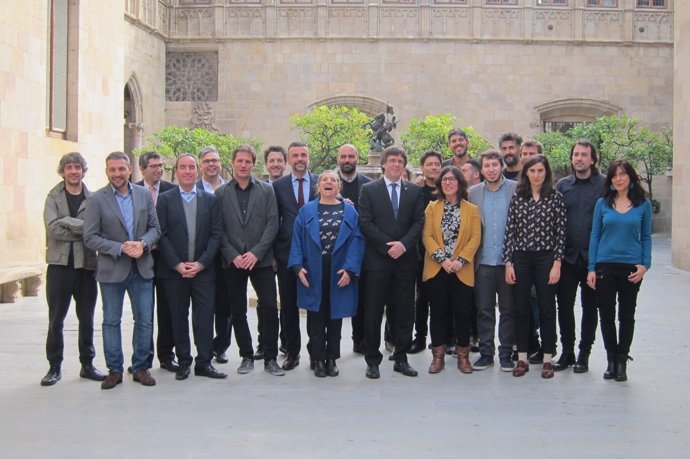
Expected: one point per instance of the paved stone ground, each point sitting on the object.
(488, 414)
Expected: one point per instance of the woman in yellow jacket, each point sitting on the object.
(452, 233)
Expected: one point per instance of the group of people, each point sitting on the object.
(439, 250)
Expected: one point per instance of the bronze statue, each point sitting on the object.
(381, 126)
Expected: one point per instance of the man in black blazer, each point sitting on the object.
(151, 166)
(292, 192)
(191, 231)
(391, 215)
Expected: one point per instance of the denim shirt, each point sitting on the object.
(494, 215)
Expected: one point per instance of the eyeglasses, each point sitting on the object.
(449, 180)
(210, 161)
(154, 166)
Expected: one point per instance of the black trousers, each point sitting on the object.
(263, 281)
(223, 318)
(388, 287)
(62, 284)
(572, 277)
(324, 332)
(612, 282)
(532, 268)
(289, 312)
(451, 303)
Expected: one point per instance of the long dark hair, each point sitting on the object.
(636, 193)
(462, 184)
(524, 188)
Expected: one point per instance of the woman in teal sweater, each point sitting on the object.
(620, 253)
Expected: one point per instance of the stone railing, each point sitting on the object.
(425, 19)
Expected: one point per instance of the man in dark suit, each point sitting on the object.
(292, 192)
(250, 224)
(351, 184)
(191, 229)
(121, 225)
(151, 166)
(391, 218)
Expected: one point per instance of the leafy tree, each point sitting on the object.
(327, 127)
(431, 133)
(172, 141)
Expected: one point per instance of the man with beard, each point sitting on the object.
(458, 144)
(350, 184)
(509, 144)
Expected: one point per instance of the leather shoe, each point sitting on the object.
(54, 374)
(259, 354)
(209, 372)
(182, 373)
(520, 369)
(144, 378)
(291, 361)
(567, 359)
(113, 379)
(417, 346)
(404, 368)
(320, 370)
(547, 370)
(170, 365)
(373, 371)
(582, 363)
(88, 371)
(331, 368)
(221, 357)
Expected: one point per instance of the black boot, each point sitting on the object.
(566, 360)
(622, 367)
(54, 374)
(320, 369)
(610, 372)
(582, 363)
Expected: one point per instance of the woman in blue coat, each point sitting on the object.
(326, 254)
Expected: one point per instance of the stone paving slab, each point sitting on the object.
(487, 414)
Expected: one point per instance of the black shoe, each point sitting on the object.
(567, 359)
(331, 368)
(54, 375)
(221, 357)
(357, 348)
(404, 368)
(170, 365)
(582, 363)
(259, 354)
(610, 372)
(320, 370)
(537, 357)
(291, 361)
(622, 367)
(182, 373)
(417, 346)
(373, 371)
(88, 371)
(209, 372)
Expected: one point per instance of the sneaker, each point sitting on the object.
(246, 366)
(506, 363)
(483, 362)
(271, 366)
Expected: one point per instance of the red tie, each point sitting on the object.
(300, 193)
(153, 194)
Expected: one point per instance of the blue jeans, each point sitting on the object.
(140, 293)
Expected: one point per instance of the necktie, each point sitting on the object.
(300, 192)
(152, 189)
(394, 198)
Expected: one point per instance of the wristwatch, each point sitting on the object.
(145, 244)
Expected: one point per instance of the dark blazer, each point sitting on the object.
(379, 225)
(287, 212)
(105, 231)
(173, 244)
(257, 234)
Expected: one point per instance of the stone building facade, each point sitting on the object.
(244, 66)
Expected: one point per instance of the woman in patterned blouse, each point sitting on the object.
(532, 250)
(452, 233)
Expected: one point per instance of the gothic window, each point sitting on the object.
(662, 4)
(194, 2)
(607, 3)
(552, 2)
(191, 76)
(501, 2)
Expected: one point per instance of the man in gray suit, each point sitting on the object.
(493, 196)
(250, 224)
(121, 225)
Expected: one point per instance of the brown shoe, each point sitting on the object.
(547, 370)
(144, 378)
(464, 364)
(438, 362)
(520, 369)
(113, 379)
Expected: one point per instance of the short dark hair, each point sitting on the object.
(244, 148)
(428, 154)
(533, 143)
(592, 149)
(636, 193)
(455, 131)
(462, 183)
(117, 155)
(517, 138)
(524, 188)
(146, 157)
(393, 151)
(476, 166)
(274, 148)
(72, 158)
(491, 153)
(296, 143)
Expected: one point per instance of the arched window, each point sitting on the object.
(563, 114)
(366, 105)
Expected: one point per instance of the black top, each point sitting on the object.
(73, 203)
(512, 175)
(330, 219)
(243, 198)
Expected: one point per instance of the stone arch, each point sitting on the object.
(367, 105)
(133, 122)
(574, 110)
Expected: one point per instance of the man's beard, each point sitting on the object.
(347, 168)
(510, 159)
(460, 153)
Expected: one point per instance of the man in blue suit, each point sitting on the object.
(121, 225)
